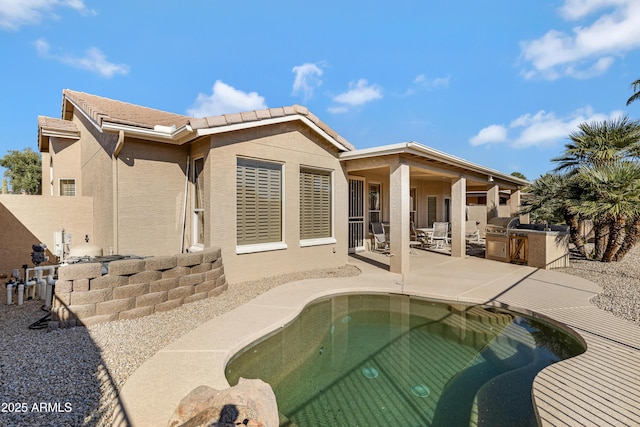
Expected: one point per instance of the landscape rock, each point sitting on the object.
(250, 399)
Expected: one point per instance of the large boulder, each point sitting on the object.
(251, 400)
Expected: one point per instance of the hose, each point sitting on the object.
(41, 323)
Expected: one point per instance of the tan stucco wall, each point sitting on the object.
(97, 180)
(479, 215)
(65, 157)
(293, 145)
(151, 185)
(28, 220)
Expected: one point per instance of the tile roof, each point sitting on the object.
(48, 127)
(104, 109)
(57, 125)
(266, 114)
(108, 110)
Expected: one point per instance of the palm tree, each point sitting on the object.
(636, 90)
(600, 143)
(597, 155)
(612, 196)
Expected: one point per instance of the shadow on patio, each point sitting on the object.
(380, 260)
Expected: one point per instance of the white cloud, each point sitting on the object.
(306, 80)
(42, 46)
(490, 134)
(93, 60)
(429, 84)
(225, 99)
(422, 83)
(359, 93)
(337, 110)
(539, 129)
(576, 9)
(16, 13)
(589, 50)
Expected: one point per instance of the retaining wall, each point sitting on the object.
(134, 288)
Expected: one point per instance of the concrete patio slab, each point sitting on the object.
(599, 387)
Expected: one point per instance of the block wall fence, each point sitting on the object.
(134, 288)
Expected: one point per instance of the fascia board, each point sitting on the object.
(59, 134)
(430, 153)
(179, 136)
(88, 117)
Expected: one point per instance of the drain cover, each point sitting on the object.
(346, 319)
(420, 390)
(370, 372)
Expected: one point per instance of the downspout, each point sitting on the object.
(114, 179)
(184, 206)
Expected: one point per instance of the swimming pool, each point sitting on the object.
(388, 360)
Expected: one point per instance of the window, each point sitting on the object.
(447, 210)
(67, 187)
(315, 204)
(412, 205)
(198, 205)
(259, 203)
(375, 203)
(431, 210)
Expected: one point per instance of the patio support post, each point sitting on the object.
(458, 217)
(493, 201)
(399, 217)
(514, 206)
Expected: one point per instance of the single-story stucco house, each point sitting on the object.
(277, 189)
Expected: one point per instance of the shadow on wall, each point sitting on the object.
(15, 243)
(65, 382)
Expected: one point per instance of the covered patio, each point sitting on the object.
(408, 182)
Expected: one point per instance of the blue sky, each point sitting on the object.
(501, 83)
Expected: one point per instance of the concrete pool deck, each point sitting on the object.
(599, 387)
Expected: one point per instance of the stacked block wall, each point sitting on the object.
(134, 288)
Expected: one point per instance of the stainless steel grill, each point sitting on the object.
(502, 225)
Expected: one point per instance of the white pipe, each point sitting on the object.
(10, 287)
(30, 289)
(41, 284)
(48, 297)
(20, 293)
(45, 287)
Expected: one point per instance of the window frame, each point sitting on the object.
(197, 210)
(446, 209)
(60, 181)
(369, 210)
(326, 240)
(246, 248)
(413, 205)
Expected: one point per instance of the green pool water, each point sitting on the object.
(391, 360)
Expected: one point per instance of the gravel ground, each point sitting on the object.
(620, 283)
(71, 377)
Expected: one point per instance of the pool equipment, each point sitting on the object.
(34, 285)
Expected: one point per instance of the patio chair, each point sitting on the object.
(380, 241)
(471, 231)
(418, 237)
(440, 234)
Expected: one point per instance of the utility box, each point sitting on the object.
(61, 242)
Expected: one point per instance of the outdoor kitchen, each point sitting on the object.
(535, 245)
